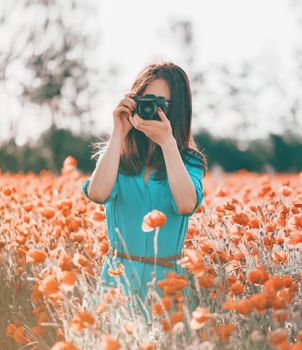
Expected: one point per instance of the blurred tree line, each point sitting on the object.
(47, 63)
(275, 154)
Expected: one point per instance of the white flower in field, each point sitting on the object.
(296, 316)
(178, 328)
(206, 345)
(257, 336)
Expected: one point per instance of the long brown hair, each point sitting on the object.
(135, 147)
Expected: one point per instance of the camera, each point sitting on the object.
(146, 106)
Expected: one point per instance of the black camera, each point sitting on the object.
(146, 106)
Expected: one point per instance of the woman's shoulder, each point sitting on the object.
(192, 157)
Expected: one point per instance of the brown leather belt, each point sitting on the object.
(151, 259)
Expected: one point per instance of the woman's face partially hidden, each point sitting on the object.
(158, 87)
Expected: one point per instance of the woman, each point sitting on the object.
(149, 164)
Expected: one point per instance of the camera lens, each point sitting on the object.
(146, 109)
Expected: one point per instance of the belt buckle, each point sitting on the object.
(140, 258)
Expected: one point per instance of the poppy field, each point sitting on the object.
(242, 255)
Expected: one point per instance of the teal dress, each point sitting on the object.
(130, 200)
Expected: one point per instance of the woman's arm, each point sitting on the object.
(181, 184)
(104, 176)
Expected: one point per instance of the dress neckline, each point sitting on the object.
(150, 175)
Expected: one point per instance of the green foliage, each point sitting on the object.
(288, 153)
(48, 153)
(280, 152)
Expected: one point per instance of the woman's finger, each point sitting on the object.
(133, 103)
(130, 93)
(127, 103)
(142, 122)
(134, 122)
(138, 126)
(138, 120)
(125, 110)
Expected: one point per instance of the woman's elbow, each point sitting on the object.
(189, 209)
(93, 196)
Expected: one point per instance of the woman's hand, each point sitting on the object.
(121, 114)
(159, 131)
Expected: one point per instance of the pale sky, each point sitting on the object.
(225, 32)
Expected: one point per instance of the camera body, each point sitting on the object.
(146, 106)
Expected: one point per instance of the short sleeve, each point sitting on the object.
(196, 174)
(108, 199)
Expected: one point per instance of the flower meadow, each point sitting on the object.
(242, 255)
